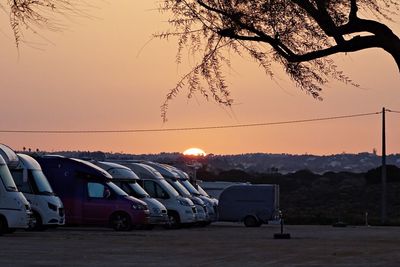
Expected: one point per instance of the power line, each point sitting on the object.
(189, 128)
(393, 111)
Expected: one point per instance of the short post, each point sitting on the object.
(281, 235)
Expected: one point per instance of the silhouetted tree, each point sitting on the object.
(298, 34)
(32, 15)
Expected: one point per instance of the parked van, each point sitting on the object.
(210, 202)
(248, 203)
(172, 178)
(15, 211)
(89, 196)
(47, 208)
(180, 210)
(127, 180)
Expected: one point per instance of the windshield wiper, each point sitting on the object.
(12, 188)
(47, 193)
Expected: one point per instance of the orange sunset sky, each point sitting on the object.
(103, 74)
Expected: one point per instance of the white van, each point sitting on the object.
(172, 177)
(47, 208)
(211, 203)
(127, 180)
(181, 210)
(15, 211)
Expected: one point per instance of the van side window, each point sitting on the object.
(161, 192)
(148, 186)
(95, 190)
(154, 190)
(23, 187)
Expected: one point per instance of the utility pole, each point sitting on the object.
(383, 174)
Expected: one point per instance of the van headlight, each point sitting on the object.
(139, 207)
(208, 204)
(183, 202)
(52, 206)
(156, 210)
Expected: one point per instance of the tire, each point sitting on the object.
(251, 221)
(174, 221)
(3, 226)
(38, 224)
(121, 222)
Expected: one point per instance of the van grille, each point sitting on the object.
(194, 210)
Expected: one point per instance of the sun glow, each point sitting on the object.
(194, 152)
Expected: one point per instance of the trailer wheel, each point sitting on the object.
(121, 222)
(3, 226)
(251, 221)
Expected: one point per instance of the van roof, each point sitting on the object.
(165, 171)
(144, 170)
(28, 162)
(9, 156)
(117, 171)
(97, 171)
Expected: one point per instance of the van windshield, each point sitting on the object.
(135, 190)
(201, 191)
(167, 187)
(40, 182)
(7, 179)
(180, 188)
(116, 189)
(190, 187)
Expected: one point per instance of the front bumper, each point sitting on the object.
(158, 219)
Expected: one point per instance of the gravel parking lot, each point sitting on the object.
(220, 244)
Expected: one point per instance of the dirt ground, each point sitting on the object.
(220, 244)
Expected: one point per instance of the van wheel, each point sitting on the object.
(173, 221)
(3, 226)
(38, 223)
(251, 221)
(121, 222)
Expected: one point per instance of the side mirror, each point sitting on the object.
(106, 193)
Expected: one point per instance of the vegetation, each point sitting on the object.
(36, 15)
(299, 35)
(308, 198)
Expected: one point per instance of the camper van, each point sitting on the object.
(173, 179)
(89, 195)
(180, 210)
(251, 204)
(210, 202)
(127, 180)
(47, 208)
(15, 211)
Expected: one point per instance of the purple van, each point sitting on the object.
(89, 196)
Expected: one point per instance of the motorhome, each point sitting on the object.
(180, 210)
(15, 211)
(248, 203)
(127, 180)
(89, 195)
(210, 202)
(173, 179)
(47, 208)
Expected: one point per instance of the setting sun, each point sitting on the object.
(194, 152)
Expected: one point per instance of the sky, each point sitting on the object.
(107, 73)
